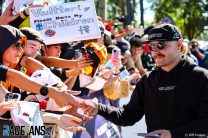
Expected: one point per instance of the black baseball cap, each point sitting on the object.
(164, 32)
(8, 35)
(124, 46)
(32, 34)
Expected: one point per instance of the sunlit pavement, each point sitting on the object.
(139, 127)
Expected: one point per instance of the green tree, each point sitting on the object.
(101, 8)
(188, 15)
(116, 8)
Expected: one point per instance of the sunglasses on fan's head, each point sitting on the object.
(18, 45)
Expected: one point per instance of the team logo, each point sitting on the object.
(39, 26)
(50, 33)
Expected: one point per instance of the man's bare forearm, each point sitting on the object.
(70, 82)
(200, 55)
(24, 82)
(31, 64)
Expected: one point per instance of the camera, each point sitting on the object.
(115, 25)
(77, 54)
(12, 96)
(194, 44)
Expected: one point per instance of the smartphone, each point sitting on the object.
(109, 65)
(115, 54)
(123, 72)
(12, 96)
(148, 135)
(77, 54)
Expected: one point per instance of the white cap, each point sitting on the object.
(45, 76)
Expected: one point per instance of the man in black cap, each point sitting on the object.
(173, 96)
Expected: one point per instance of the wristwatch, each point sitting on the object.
(44, 90)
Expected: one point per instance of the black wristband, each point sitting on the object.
(24, 13)
(55, 112)
(44, 90)
(6, 115)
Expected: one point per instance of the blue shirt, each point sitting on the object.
(201, 61)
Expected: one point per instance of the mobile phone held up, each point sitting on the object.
(77, 54)
(116, 52)
(12, 96)
(148, 135)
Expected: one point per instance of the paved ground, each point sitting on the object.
(139, 127)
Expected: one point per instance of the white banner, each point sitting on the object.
(66, 22)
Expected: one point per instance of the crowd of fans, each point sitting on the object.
(23, 50)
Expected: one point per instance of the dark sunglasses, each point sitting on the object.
(159, 45)
(18, 45)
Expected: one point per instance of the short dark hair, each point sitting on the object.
(136, 41)
(32, 34)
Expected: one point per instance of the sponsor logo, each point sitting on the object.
(50, 33)
(167, 88)
(158, 35)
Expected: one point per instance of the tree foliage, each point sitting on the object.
(188, 15)
(116, 8)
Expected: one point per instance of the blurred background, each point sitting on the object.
(191, 16)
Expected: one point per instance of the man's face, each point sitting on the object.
(13, 53)
(135, 51)
(54, 50)
(166, 56)
(32, 48)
